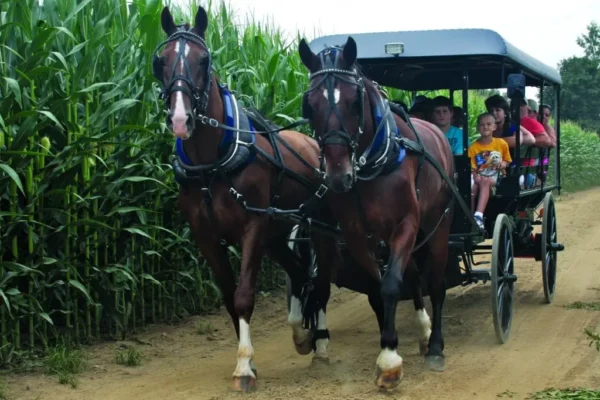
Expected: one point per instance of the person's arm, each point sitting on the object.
(506, 157)
(542, 140)
(527, 138)
(551, 134)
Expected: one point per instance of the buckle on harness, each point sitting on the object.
(321, 191)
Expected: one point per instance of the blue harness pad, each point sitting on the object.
(384, 151)
(234, 148)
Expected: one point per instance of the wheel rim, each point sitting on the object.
(504, 290)
(549, 255)
(502, 278)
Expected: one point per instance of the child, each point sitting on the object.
(489, 156)
(443, 112)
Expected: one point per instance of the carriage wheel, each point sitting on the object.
(306, 252)
(502, 277)
(549, 238)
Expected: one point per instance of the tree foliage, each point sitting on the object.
(580, 96)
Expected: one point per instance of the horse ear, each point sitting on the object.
(201, 21)
(167, 22)
(350, 52)
(309, 59)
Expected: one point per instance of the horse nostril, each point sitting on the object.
(190, 122)
(347, 180)
(169, 120)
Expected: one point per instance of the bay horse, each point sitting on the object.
(223, 164)
(392, 180)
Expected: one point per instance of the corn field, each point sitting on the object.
(92, 244)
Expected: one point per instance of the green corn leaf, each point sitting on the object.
(13, 175)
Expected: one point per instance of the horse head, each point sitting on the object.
(336, 108)
(184, 69)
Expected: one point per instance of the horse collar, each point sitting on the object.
(235, 148)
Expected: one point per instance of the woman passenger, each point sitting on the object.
(505, 129)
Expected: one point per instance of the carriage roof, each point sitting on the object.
(435, 59)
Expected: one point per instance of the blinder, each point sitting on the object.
(198, 98)
(331, 70)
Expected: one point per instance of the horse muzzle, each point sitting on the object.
(181, 125)
(339, 183)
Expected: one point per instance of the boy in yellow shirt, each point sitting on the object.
(489, 156)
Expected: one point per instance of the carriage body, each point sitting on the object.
(463, 60)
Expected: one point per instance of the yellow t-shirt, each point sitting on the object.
(485, 156)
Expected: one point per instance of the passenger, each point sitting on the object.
(498, 106)
(532, 109)
(457, 117)
(421, 108)
(442, 118)
(546, 112)
(542, 140)
(489, 158)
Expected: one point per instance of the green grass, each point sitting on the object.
(130, 357)
(566, 394)
(594, 338)
(66, 362)
(204, 328)
(3, 390)
(580, 305)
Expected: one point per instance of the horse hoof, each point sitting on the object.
(435, 363)
(244, 383)
(320, 360)
(304, 345)
(388, 379)
(423, 347)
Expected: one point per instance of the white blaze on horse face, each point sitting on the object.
(245, 352)
(179, 118)
(336, 95)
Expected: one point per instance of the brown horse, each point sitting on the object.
(391, 182)
(223, 165)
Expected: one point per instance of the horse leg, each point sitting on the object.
(437, 262)
(367, 276)
(422, 318)
(216, 256)
(327, 260)
(297, 272)
(389, 363)
(244, 376)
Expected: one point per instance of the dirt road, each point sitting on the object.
(547, 347)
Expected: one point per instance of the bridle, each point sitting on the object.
(198, 97)
(330, 73)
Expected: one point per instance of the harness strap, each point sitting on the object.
(419, 149)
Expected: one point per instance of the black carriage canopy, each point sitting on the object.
(436, 59)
